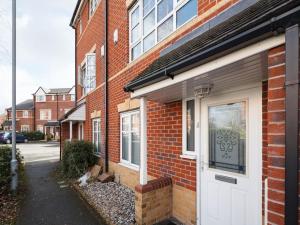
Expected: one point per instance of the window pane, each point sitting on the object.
(125, 123)
(149, 22)
(135, 138)
(135, 34)
(190, 125)
(125, 143)
(135, 17)
(227, 137)
(165, 29)
(136, 51)
(164, 8)
(148, 5)
(186, 12)
(149, 41)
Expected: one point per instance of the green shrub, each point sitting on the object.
(5, 158)
(34, 135)
(77, 157)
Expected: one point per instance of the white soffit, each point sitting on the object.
(242, 66)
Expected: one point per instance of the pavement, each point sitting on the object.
(49, 201)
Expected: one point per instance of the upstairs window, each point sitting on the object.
(25, 114)
(93, 6)
(151, 21)
(40, 98)
(45, 114)
(87, 74)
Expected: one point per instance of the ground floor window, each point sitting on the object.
(80, 132)
(130, 138)
(25, 128)
(40, 128)
(96, 135)
(188, 126)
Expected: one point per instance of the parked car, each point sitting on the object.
(6, 138)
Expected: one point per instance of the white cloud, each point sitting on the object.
(45, 47)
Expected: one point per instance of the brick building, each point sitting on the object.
(193, 104)
(49, 106)
(24, 117)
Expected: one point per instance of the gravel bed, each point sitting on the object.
(114, 201)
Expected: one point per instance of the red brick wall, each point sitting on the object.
(165, 145)
(276, 134)
(57, 107)
(182, 171)
(22, 121)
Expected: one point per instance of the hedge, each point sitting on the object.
(5, 158)
(34, 135)
(77, 157)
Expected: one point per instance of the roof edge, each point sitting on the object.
(78, 7)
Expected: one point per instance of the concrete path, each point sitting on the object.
(47, 201)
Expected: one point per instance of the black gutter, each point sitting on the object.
(106, 105)
(75, 12)
(222, 45)
(292, 125)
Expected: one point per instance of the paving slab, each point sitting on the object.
(49, 201)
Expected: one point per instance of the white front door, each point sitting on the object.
(231, 158)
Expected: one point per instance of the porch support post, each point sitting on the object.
(71, 130)
(143, 116)
(292, 125)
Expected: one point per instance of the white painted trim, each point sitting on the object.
(143, 154)
(266, 201)
(78, 12)
(130, 166)
(71, 130)
(184, 128)
(129, 161)
(212, 65)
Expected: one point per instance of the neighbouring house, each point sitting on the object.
(193, 104)
(2, 120)
(49, 106)
(24, 117)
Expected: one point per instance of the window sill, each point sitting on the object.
(130, 166)
(186, 156)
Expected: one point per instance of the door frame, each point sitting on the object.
(256, 91)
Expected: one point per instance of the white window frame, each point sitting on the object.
(83, 79)
(93, 6)
(25, 114)
(98, 145)
(53, 97)
(64, 97)
(185, 152)
(25, 128)
(44, 117)
(177, 5)
(128, 162)
(80, 132)
(73, 98)
(40, 98)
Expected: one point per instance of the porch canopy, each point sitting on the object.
(75, 115)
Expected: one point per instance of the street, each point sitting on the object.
(49, 201)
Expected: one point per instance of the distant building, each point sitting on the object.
(25, 117)
(50, 105)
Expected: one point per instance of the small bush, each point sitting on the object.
(5, 158)
(77, 157)
(34, 135)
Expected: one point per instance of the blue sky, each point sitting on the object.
(45, 47)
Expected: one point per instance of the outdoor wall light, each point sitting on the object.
(203, 90)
